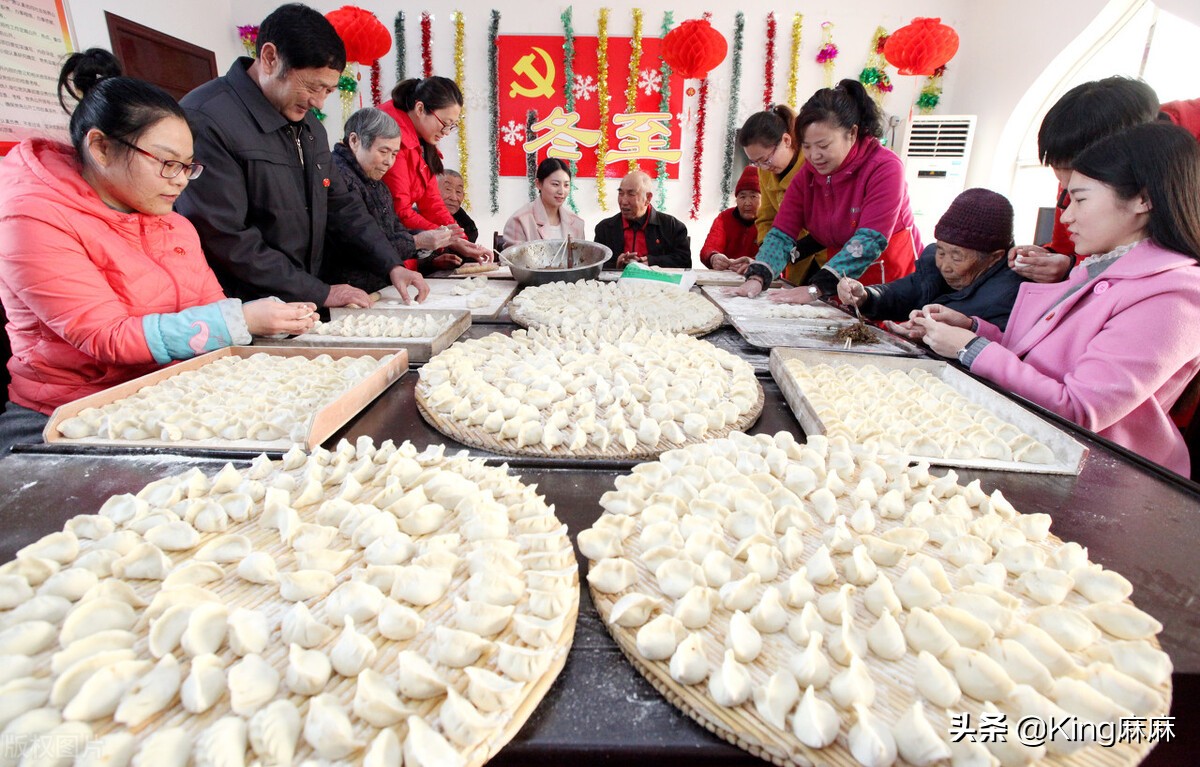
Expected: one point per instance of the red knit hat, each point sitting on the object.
(978, 219)
(748, 181)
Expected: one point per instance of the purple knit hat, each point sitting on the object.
(978, 219)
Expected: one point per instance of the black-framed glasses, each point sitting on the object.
(1064, 199)
(170, 168)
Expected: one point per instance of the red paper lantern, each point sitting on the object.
(694, 48)
(365, 37)
(921, 47)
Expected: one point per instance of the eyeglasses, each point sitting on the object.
(446, 127)
(1064, 199)
(765, 162)
(170, 168)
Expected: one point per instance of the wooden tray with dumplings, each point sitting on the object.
(1069, 454)
(419, 348)
(894, 681)
(322, 425)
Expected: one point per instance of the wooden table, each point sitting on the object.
(1138, 520)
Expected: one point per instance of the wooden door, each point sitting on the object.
(172, 64)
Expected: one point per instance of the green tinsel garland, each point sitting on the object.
(347, 84)
(494, 109)
(731, 122)
(569, 90)
(401, 50)
(531, 161)
(318, 114)
(664, 105)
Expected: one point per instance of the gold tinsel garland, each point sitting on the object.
(460, 75)
(794, 64)
(635, 67)
(602, 95)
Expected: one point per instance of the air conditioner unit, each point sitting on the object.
(937, 149)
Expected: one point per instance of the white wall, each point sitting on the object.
(207, 23)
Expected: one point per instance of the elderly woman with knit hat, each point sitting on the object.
(732, 242)
(966, 269)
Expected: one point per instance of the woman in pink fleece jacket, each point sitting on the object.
(1113, 346)
(850, 195)
(101, 282)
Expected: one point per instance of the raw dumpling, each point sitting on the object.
(308, 670)
(730, 685)
(274, 731)
(302, 585)
(424, 747)
(222, 742)
(775, 699)
(456, 648)
(416, 678)
(658, 639)
(916, 740)
(1122, 620)
(816, 722)
(204, 685)
(870, 739)
(352, 652)
(689, 664)
(327, 729)
(853, 686)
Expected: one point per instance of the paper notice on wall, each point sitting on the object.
(34, 39)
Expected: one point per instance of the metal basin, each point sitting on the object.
(529, 261)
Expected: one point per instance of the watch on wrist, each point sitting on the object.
(813, 291)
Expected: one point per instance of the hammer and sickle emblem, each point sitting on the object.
(542, 82)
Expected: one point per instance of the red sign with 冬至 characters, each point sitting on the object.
(531, 77)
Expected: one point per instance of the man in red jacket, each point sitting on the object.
(731, 243)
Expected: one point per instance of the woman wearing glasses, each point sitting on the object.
(849, 194)
(427, 111)
(766, 138)
(101, 282)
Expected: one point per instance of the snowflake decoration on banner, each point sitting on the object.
(584, 87)
(513, 133)
(650, 81)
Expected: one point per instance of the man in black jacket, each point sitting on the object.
(640, 233)
(270, 193)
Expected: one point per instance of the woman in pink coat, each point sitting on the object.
(545, 218)
(101, 282)
(1113, 346)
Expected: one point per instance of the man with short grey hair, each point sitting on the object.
(641, 234)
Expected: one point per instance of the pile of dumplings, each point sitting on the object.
(910, 412)
(833, 601)
(575, 306)
(374, 604)
(263, 398)
(603, 391)
(377, 325)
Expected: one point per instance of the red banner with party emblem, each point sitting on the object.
(531, 78)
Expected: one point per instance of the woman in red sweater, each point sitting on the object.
(732, 241)
(427, 111)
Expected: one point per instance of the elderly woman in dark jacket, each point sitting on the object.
(967, 268)
(369, 148)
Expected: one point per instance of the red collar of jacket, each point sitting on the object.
(54, 165)
(409, 137)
